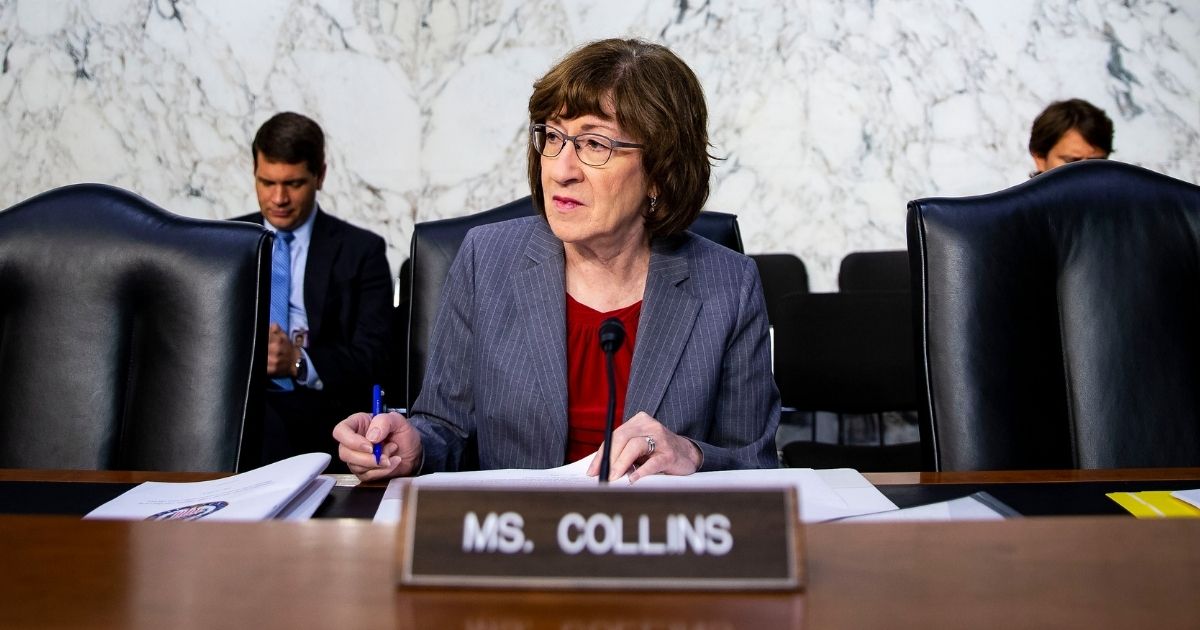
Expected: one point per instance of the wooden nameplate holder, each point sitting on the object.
(602, 538)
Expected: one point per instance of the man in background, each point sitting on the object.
(1069, 131)
(330, 295)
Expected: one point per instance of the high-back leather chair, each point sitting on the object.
(130, 338)
(435, 244)
(1059, 322)
(847, 353)
(395, 378)
(781, 276)
(884, 270)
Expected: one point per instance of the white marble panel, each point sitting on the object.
(829, 115)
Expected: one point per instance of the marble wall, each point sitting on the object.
(830, 115)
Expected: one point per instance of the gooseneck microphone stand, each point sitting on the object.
(612, 334)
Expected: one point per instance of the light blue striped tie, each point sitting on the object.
(281, 290)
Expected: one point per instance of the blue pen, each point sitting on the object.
(376, 409)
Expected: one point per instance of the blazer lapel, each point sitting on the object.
(540, 292)
(669, 312)
(322, 251)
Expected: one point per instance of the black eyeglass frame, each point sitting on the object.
(612, 144)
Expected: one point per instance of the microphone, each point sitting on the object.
(612, 335)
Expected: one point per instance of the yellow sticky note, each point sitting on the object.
(1154, 504)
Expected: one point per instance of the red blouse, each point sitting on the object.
(587, 376)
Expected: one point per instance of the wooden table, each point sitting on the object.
(1080, 572)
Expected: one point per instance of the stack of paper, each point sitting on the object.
(979, 506)
(290, 490)
(824, 494)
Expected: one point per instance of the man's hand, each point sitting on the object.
(281, 353)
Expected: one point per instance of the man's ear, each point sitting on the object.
(321, 177)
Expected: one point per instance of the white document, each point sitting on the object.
(850, 493)
(861, 496)
(389, 506)
(980, 506)
(1188, 496)
(573, 474)
(303, 505)
(288, 488)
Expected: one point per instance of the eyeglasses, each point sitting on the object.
(592, 149)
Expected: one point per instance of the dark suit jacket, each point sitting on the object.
(348, 298)
(495, 393)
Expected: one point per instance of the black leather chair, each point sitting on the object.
(395, 379)
(781, 275)
(885, 270)
(435, 244)
(1059, 322)
(130, 338)
(849, 354)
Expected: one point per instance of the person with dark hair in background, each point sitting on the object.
(1069, 131)
(619, 167)
(331, 294)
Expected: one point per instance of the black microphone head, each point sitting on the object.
(612, 334)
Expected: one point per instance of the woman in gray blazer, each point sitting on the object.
(516, 376)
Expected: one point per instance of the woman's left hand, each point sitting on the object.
(653, 448)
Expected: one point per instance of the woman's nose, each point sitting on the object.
(565, 167)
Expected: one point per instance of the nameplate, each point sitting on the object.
(686, 539)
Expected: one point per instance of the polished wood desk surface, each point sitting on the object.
(1077, 572)
(1034, 476)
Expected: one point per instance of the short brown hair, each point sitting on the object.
(1062, 116)
(291, 138)
(658, 100)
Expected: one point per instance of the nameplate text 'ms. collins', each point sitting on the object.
(601, 538)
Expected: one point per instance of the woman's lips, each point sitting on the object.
(565, 203)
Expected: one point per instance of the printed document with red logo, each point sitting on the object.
(290, 489)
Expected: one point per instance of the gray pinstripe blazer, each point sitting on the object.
(495, 391)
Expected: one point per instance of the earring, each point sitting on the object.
(653, 203)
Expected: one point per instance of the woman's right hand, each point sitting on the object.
(358, 434)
